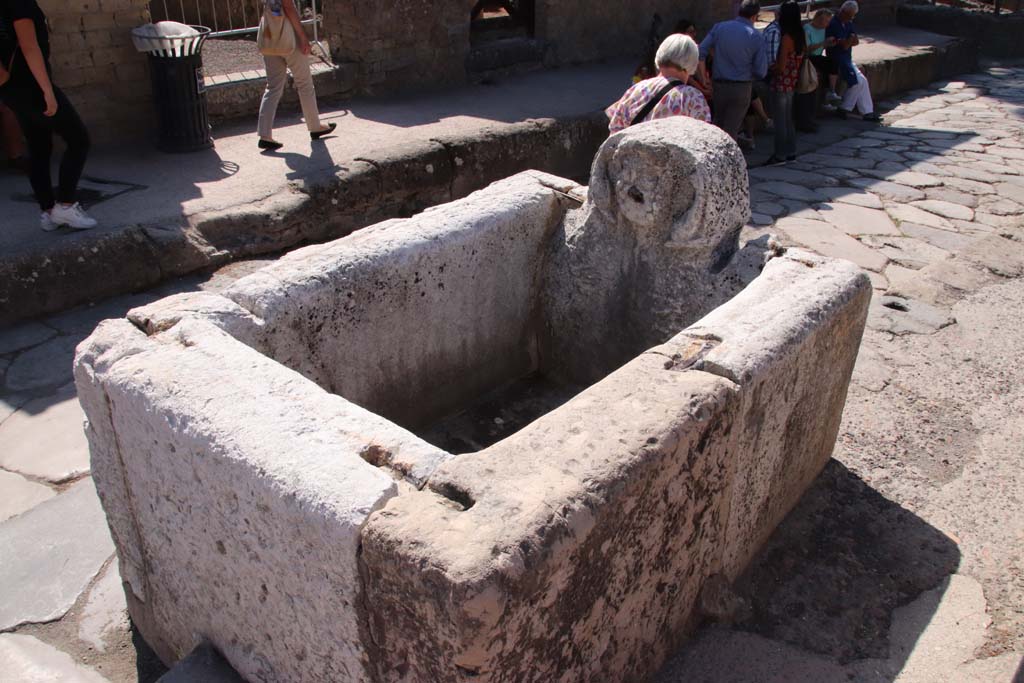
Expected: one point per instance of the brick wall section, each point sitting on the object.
(95, 63)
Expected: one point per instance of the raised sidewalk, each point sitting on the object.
(164, 215)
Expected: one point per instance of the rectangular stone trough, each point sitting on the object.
(264, 455)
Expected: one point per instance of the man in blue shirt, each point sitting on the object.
(740, 58)
(844, 35)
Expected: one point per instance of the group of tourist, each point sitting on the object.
(736, 67)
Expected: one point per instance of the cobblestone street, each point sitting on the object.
(902, 563)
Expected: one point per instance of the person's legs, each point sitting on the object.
(67, 124)
(276, 75)
(298, 64)
(789, 123)
(785, 130)
(731, 103)
(10, 133)
(803, 111)
(39, 138)
(864, 102)
(858, 96)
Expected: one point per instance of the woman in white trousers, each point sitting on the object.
(277, 73)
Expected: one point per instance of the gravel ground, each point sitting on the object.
(231, 56)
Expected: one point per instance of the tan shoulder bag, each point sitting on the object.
(276, 37)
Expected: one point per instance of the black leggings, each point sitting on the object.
(28, 106)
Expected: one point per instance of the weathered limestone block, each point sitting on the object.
(236, 493)
(648, 253)
(790, 340)
(575, 550)
(246, 446)
(587, 536)
(443, 304)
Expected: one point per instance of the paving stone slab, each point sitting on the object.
(912, 214)
(887, 189)
(856, 197)
(1009, 153)
(901, 316)
(1011, 191)
(945, 209)
(960, 274)
(881, 155)
(857, 220)
(1001, 256)
(830, 241)
(51, 554)
(947, 194)
(24, 336)
(839, 173)
(911, 284)
(789, 175)
(871, 371)
(1001, 207)
(789, 191)
(43, 366)
(10, 404)
(971, 173)
(908, 178)
(969, 186)
(26, 659)
(105, 612)
(906, 251)
(943, 239)
(18, 495)
(930, 168)
(835, 161)
(45, 439)
(984, 218)
(761, 219)
(770, 209)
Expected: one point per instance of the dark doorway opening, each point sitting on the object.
(492, 20)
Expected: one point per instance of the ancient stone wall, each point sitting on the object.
(401, 42)
(95, 63)
(584, 31)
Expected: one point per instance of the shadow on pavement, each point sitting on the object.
(826, 583)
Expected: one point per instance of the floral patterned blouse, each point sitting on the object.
(683, 100)
(786, 79)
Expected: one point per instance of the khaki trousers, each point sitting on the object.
(277, 68)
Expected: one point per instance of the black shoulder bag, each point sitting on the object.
(658, 97)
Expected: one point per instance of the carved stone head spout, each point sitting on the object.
(677, 182)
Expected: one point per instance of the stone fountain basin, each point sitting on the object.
(258, 458)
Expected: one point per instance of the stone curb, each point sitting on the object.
(322, 207)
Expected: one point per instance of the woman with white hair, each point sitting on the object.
(667, 94)
(844, 37)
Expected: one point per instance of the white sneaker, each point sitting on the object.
(833, 98)
(46, 222)
(72, 216)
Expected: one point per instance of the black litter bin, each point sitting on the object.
(176, 68)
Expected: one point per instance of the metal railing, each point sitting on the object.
(806, 5)
(228, 18)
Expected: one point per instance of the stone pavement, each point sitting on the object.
(163, 216)
(903, 561)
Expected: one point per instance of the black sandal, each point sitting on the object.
(270, 144)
